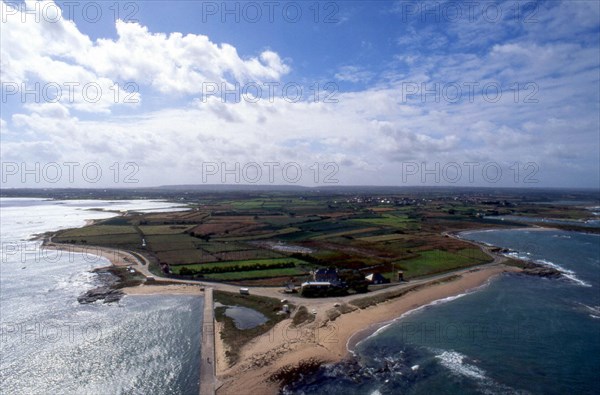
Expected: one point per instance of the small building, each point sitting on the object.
(376, 278)
(400, 276)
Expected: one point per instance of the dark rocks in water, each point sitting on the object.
(535, 269)
(112, 279)
(107, 294)
(289, 374)
(353, 371)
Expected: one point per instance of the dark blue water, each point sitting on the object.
(590, 223)
(518, 334)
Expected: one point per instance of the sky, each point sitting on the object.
(135, 94)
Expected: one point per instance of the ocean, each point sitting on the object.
(50, 344)
(515, 335)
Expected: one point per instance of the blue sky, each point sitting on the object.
(410, 93)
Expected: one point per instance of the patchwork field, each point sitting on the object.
(274, 237)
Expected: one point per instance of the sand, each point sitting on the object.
(328, 341)
(285, 345)
(116, 257)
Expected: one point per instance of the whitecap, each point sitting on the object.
(454, 361)
(567, 273)
(570, 274)
(594, 311)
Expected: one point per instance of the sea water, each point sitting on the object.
(516, 335)
(50, 344)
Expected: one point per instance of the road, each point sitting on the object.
(126, 258)
(207, 357)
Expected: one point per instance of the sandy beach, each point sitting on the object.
(327, 341)
(323, 340)
(116, 257)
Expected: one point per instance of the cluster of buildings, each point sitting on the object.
(327, 281)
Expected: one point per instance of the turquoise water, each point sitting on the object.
(518, 334)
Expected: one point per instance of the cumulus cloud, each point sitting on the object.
(93, 76)
(368, 133)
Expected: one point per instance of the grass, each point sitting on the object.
(235, 338)
(248, 274)
(126, 240)
(394, 221)
(260, 236)
(379, 238)
(249, 262)
(437, 261)
(163, 229)
(254, 274)
(368, 301)
(302, 316)
(343, 233)
(98, 230)
(224, 247)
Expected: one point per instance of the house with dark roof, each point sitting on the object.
(329, 274)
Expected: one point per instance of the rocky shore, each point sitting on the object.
(113, 279)
(536, 269)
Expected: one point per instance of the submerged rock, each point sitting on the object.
(107, 294)
(112, 280)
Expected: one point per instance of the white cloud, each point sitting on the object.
(353, 74)
(54, 51)
(369, 133)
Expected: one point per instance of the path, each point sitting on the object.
(207, 355)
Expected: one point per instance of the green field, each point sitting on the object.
(394, 221)
(253, 274)
(248, 262)
(163, 229)
(437, 261)
(98, 230)
(322, 227)
(380, 238)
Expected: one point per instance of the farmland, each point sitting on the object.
(276, 238)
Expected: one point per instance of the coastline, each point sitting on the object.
(324, 340)
(331, 341)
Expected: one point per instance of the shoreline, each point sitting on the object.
(332, 341)
(274, 352)
(324, 340)
(357, 338)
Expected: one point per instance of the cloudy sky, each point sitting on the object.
(105, 94)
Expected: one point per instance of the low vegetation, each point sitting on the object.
(302, 316)
(368, 301)
(235, 338)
